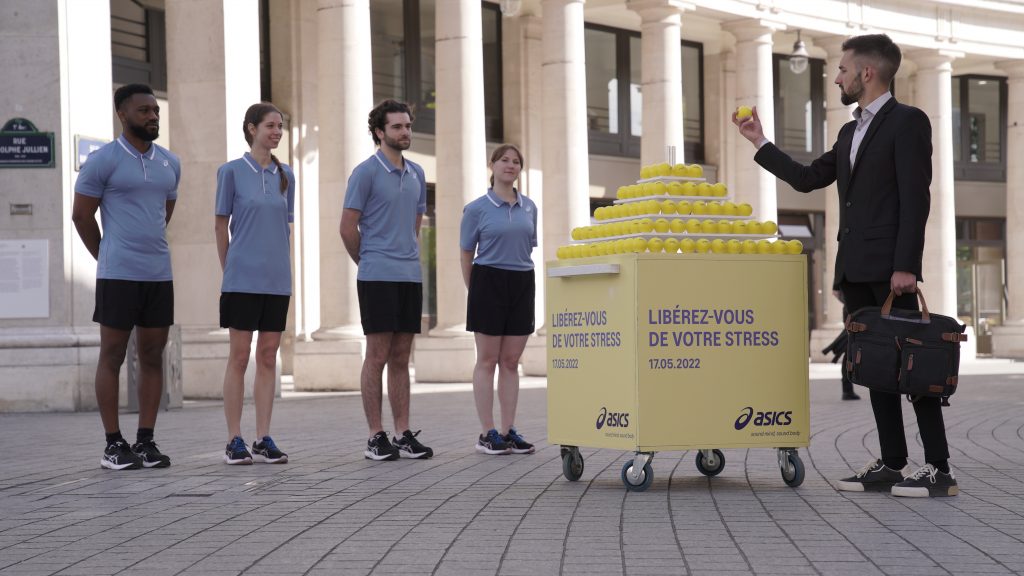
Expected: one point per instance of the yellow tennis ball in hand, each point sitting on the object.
(744, 112)
(734, 246)
(795, 247)
(671, 245)
(661, 225)
(654, 245)
(687, 246)
(703, 245)
(677, 226)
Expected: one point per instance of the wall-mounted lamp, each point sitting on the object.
(510, 8)
(798, 59)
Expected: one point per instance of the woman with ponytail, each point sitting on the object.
(255, 202)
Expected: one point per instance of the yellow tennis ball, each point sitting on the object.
(739, 227)
(679, 170)
(729, 208)
(724, 227)
(714, 208)
(683, 207)
(664, 169)
(675, 188)
(718, 189)
(639, 245)
(749, 247)
(745, 209)
(753, 227)
(636, 209)
(699, 208)
(694, 171)
(576, 234)
(668, 207)
(779, 247)
(660, 189)
(677, 226)
(795, 247)
(689, 189)
(652, 207)
(671, 245)
(693, 226)
(718, 246)
(655, 245)
(646, 225)
(646, 189)
(709, 226)
(687, 246)
(621, 192)
(645, 172)
(734, 246)
(744, 112)
(703, 245)
(599, 213)
(764, 247)
(560, 253)
(703, 189)
(661, 225)
(769, 227)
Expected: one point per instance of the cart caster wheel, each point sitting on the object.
(710, 466)
(792, 468)
(572, 463)
(644, 482)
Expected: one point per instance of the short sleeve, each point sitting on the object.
(92, 178)
(358, 191)
(291, 193)
(533, 235)
(176, 164)
(469, 231)
(225, 191)
(421, 206)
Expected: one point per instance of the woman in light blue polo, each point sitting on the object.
(499, 232)
(255, 201)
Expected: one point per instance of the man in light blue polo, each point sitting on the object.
(133, 182)
(380, 225)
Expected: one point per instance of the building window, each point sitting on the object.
(403, 53)
(980, 276)
(138, 44)
(615, 99)
(979, 128)
(800, 109)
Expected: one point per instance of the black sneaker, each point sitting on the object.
(517, 443)
(873, 477)
(118, 456)
(492, 443)
(379, 448)
(269, 452)
(235, 452)
(927, 481)
(409, 447)
(150, 455)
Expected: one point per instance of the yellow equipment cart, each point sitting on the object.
(656, 352)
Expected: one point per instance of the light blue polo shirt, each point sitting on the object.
(502, 234)
(259, 252)
(133, 189)
(389, 200)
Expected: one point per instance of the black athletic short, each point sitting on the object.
(500, 301)
(124, 304)
(390, 306)
(253, 312)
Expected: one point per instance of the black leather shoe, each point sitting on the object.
(850, 396)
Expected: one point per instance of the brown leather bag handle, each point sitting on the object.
(887, 306)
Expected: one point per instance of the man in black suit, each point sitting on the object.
(882, 165)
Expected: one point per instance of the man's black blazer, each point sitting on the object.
(883, 201)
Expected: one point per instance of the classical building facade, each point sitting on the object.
(591, 90)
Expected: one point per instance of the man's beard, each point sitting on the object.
(143, 133)
(853, 96)
(397, 144)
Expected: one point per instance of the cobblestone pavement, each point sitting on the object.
(330, 511)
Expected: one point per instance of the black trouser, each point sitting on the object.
(887, 407)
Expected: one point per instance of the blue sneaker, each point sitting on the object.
(492, 443)
(268, 451)
(517, 444)
(235, 452)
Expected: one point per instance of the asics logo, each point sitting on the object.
(612, 419)
(769, 418)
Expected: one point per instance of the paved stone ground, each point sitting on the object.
(330, 511)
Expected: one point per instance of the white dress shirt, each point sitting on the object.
(863, 116)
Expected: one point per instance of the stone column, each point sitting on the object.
(837, 114)
(1008, 340)
(934, 97)
(661, 77)
(754, 85)
(449, 353)
(331, 355)
(213, 74)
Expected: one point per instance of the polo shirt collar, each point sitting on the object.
(256, 165)
(387, 163)
(131, 149)
(498, 201)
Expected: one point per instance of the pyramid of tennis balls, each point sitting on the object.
(657, 205)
